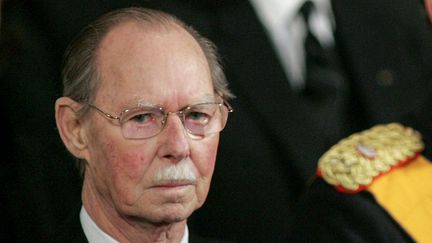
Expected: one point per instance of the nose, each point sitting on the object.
(174, 141)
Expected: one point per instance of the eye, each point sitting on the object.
(143, 117)
(198, 116)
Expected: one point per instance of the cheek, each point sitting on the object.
(204, 157)
(118, 166)
(128, 167)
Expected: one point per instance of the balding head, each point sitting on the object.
(81, 72)
(145, 102)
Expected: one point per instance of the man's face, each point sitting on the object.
(161, 67)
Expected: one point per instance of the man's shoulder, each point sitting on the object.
(360, 180)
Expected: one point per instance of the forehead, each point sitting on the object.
(159, 64)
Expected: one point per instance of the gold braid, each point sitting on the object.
(355, 161)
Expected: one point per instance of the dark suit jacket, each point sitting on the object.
(326, 215)
(273, 139)
(71, 231)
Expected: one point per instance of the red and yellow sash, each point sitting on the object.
(386, 161)
(406, 193)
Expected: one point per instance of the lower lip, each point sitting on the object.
(171, 186)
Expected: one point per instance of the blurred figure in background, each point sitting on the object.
(374, 68)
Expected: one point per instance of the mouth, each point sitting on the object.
(173, 184)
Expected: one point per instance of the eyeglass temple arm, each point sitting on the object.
(104, 113)
(230, 109)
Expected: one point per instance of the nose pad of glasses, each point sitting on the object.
(180, 116)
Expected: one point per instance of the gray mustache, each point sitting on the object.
(180, 172)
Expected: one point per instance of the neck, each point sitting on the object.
(125, 228)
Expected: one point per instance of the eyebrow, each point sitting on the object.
(204, 99)
(142, 103)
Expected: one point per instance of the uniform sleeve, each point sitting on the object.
(326, 215)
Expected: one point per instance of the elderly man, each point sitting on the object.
(144, 102)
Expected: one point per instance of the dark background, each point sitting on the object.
(40, 185)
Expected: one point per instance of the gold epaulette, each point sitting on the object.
(353, 163)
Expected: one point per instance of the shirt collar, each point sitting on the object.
(95, 235)
(276, 12)
(280, 12)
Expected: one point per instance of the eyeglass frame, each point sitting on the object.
(180, 113)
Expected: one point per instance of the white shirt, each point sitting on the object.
(95, 235)
(286, 29)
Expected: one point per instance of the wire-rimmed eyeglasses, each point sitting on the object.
(199, 120)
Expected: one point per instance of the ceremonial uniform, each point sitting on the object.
(374, 186)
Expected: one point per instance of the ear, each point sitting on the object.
(70, 127)
(428, 6)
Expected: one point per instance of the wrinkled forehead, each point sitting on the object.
(132, 31)
(131, 37)
(145, 60)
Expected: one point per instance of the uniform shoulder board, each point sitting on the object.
(355, 162)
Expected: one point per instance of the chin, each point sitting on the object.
(163, 217)
(176, 213)
(167, 218)
(171, 219)
(167, 213)
(162, 208)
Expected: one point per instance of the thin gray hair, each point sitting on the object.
(80, 71)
